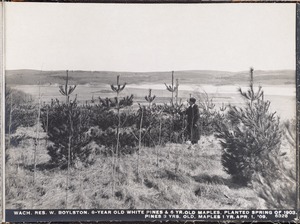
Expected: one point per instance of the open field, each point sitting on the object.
(188, 178)
(183, 178)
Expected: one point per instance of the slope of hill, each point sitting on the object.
(32, 77)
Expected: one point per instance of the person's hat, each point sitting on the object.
(192, 99)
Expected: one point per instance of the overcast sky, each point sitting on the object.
(162, 37)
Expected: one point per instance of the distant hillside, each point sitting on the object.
(32, 77)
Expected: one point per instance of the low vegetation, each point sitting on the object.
(186, 179)
(106, 154)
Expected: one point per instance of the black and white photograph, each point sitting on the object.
(150, 106)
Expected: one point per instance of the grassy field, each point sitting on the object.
(183, 178)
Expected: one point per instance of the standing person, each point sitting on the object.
(193, 115)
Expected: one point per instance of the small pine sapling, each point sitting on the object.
(176, 93)
(117, 89)
(223, 107)
(149, 98)
(67, 89)
(250, 138)
(105, 103)
(171, 88)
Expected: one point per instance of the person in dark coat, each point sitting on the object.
(193, 115)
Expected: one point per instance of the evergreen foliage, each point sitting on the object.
(66, 120)
(250, 138)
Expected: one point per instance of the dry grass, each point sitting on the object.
(184, 178)
(280, 192)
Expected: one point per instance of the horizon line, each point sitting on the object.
(164, 71)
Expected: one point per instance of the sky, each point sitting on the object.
(149, 37)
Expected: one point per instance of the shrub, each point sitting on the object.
(107, 138)
(105, 118)
(67, 125)
(271, 189)
(175, 122)
(254, 137)
(109, 103)
(104, 121)
(208, 114)
(161, 124)
(210, 118)
(20, 110)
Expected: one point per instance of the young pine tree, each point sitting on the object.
(250, 137)
(65, 124)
